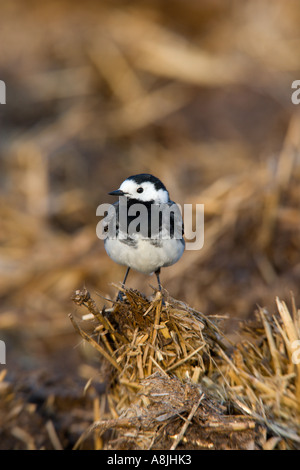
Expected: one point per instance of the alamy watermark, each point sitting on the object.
(155, 221)
(296, 94)
(2, 92)
(2, 352)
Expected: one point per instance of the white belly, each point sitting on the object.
(145, 257)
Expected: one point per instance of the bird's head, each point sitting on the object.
(144, 188)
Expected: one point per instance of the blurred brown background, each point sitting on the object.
(197, 93)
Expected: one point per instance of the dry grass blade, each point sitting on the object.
(94, 343)
(53, 436)
(154, 333)
(292, 332)
(273, 350)
(185, 359)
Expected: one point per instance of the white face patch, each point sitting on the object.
(149, 193)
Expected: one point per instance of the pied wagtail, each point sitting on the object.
(148, 242)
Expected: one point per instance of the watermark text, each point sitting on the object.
(2, 352)
(296, 94)
(155, 221)
(2, 92)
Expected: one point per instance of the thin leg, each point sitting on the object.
(158, 280)
(127, 272)
(120, 294)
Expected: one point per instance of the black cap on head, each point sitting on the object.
(141, 178)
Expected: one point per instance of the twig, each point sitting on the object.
(83, 298)
(187, 423)
(158, 366)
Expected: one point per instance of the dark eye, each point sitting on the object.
(140, 190)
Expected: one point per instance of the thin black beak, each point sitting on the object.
(117, 192)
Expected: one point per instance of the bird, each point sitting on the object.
(149, 242)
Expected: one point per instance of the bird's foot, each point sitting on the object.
(120, 297)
